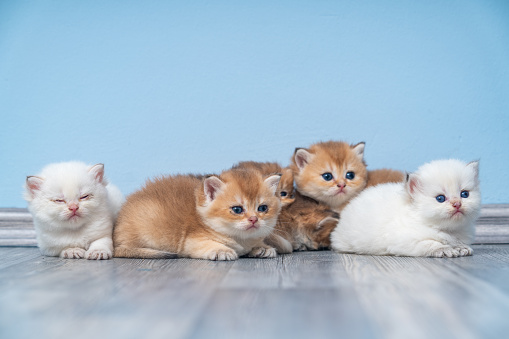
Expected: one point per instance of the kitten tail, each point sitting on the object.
(143, 253)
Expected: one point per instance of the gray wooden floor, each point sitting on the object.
(301, 295)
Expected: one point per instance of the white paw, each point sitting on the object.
(464, 250)
(98, 254)
(263, 252)
(73, 253)
(445, 252)
(223, 255)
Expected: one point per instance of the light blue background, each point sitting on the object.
(160, 87)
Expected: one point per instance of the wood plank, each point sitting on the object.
(427, 297)
(301, 295)
(308, 294)
(119, 297)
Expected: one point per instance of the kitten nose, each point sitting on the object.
(456, 204)
(341, 185)
(73, 207)
(253, 219)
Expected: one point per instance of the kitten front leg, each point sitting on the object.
(262, 250)
(73, 253)
(101, 249)
(464, 250)
(209, 250)
(433, 248)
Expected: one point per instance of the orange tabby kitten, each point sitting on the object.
(303, 222)
(334, 172)
(285, 187)
(216, 218)
(304, 225)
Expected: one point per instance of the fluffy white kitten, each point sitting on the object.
(432, 214)
(74, 209)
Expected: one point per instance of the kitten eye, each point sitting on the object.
(237, 209)
(283, 194)
(440, 198)
(84, 197)
(263, 208)
(59, 201)
(327, 176)
(350, 175)
(464, 194)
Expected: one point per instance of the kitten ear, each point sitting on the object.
(212, 186)
(359, 149)
(412, 183)
(98, 172)
(302, 157)
(474, 166)
(273, 181)
(33, 184)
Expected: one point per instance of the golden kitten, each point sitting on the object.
(331, 172)
(216, 218)
(334, 172)
(304, 223)
(285, 190)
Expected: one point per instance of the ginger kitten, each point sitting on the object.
(432, 214)
(303, 224)
(74, 209)
(215, 218)
(331, 172)
(285, 190)
(334, 172)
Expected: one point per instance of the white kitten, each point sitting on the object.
(74, 209)
(432, 214)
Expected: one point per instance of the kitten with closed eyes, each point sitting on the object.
(334, 172)
(219, 217)
(432, 214)
(74, 209)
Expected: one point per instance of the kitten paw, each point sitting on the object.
(73, 253)
(98, 254)
(263, 252)
(464, 250)
(222, 255)
(445, 252)
(300, 248)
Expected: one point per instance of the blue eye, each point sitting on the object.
(464, 194)
(263, 208)
(327, 176)
(350, 175)
(440, 198)
(237, 209)
(283, 194)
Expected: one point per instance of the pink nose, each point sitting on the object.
(253, 219)
(341, 185)
(73, 207)
(457, 204)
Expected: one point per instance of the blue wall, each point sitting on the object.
(159, 87)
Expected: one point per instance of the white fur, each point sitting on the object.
(393, 219)
(88, 236)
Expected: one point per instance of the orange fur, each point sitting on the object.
(382, 176)
(303, 223)
(306, 225)
(192, 216)
(334, 157)
(266, 168)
